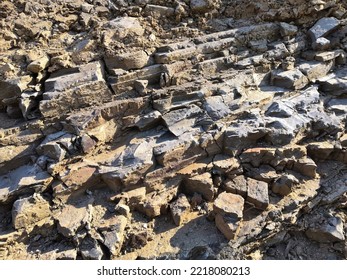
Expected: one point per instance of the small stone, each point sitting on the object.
(292, 79)
(39, 64)
(228, 210)
(323, 27)
(321, 44)
(201, 184)
(180, 209)
(27, 212)
(257, 193)
(141, 86)
(284, 184)
(288, 29)
(331, 230)
(87, 143)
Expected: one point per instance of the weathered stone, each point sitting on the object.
(330, 230)
(306, 167)
(180, 209)
(113, 234)
(321, 44)
(228, 210)
(335, 83)
(315, 70)
(223, 164)
(148, 121)
(216, 108)
(81, 87)
(23, 180)
(39, 64)
(257, 194)
(73, 216)
(292, 79)
(90, 249)
(13, 88)
(331, 55)
(279, 109)
(202, 184)
(159, 11)
(200, 6)
(288, 29)
(339, 106)
(323, 27)
(141, 86)
(29, 212)
(237, 185)
(284, 184)
(127, 61)
(122, 27)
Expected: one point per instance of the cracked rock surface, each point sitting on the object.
(186, 129)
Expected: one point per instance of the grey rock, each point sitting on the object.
(315, 70)
(257, 194)
(279, 109)
(292, 79)
(284, 184)
(339, 106)
(330, 230)
(216, 108)
(90, 249)
(201, 184)
(288, 29)
(323, 27)
(200, 6)
(180, 209)
(237, 185)
(128, 61)
(321, 44)
(148, 121)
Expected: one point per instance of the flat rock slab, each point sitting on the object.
(323, 27)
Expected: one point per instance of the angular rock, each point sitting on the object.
(223, 164)
(180, 209)
(279, 109)
(113, 234)
(237, 185)
(29, 212)
(90, 249)
(38, 65)
(257, 194)
(228, 210)
(73, 216)
(284, 184)
(315, 70)
(292, 79)
(148, 121)
(201, 184)
(330, 230)
(288, 29)
(200, 6)
(127, 61)
(24, 180)
(122, 27)
(216, 108)
(323, 27)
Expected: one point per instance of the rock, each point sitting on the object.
(181, 120)
(159, 11)
(216, 108)
(335, 83)
(321, 44)
(148, 121)
(237, 185)
(292, 79)
(180, 209)
(38, 65)
(24, 180)
(288, 29)
(200, 6)
(339, 106)
(323, 27)
(73, 216)
(113, 234)
(315, 70)
(279, 109)
(87, 143)
(13, 88)
(228, 210)
(338, 55)
(62, 88)
(201, 253)
(90, 249)
(201, 184)
(141, 86)
(30, 212)
(128, 61)
(223, 164)
(330, 230)
(257, 194)
(306, 167)
(122, 27)
(284, 184)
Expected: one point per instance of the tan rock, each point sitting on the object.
(128, 61)
(257, 193)
(202, 184)
(180, 209)
(39, 64)
(28, 212)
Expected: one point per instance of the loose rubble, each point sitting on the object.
(190, 129)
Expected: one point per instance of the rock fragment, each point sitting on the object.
(180, 209)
